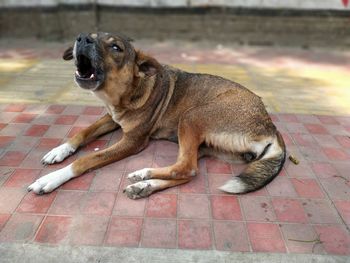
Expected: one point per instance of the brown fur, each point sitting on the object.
(148, 100)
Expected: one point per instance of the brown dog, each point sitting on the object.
(206, 115)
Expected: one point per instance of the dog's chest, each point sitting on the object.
(116, 116)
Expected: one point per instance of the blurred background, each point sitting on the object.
(301, 23)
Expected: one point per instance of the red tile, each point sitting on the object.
(313, 153)
(218, 167)
(336, 154)
(343, 120)
(3, 219)
(24, 118)
(307, 188)
(319, 212)
(45, 119)
(48, 143)
(89, 230)
(194, 234)
(125, 206)
(33, 159)
(217, 180)
(138, 162)
(159, 233)
(36, 130)
(73, 110)
(196, 186)
(82, 182)
(335, 239)
(57, 131)
(163, 161)
(75, 130)
(265, 237)
(315, 128)
(303, 139)
(86, 120)
(107, 179)
(99, 203)
(20, 227)
(287, 138)
(162, 205)
(296, 127)
(328, 120)
(343, 208)
(2, 125)
(15, 108)
(344, 141)
(10, 198)
(308, 119)
(281, 186)
(257, 208)
(193, 206)
(298, 239)
(97, 144)
(231, 236)
(38, 204)
(287, 117)
(91, 110)
(22, 177)
(225, 207)
(6, 141)
(55, 109)
(14, 129)
(337, 188)
(54, 230)
(323, 170)
(166, 148)
(12, 158)
(66, 119)
(326, 140)
(124, 232)
(289, 210)
(23, 144)
(67, 203)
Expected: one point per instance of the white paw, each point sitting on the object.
(140, 175)
(58, 154)
(51, 181)
(140, 189)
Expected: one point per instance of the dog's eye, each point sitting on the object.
(116, 48)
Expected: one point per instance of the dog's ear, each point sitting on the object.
(68, 54)
(146, 65)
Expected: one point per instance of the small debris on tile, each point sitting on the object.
(96, 149)
(293, 159)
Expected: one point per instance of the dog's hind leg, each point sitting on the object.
(100, 127)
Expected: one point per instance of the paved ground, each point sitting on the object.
(304, 210)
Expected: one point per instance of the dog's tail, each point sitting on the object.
(259, 172)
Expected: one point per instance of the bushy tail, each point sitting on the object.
(260, 172)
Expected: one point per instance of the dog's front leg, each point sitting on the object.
(100, 127)
(127, 146)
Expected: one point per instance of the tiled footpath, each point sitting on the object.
(306, 209)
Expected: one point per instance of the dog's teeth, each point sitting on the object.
(77, 72)
(92, 76)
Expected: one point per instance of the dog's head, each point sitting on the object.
(103, 59)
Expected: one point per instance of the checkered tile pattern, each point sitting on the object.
(306, 209)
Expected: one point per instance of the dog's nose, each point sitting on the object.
(84, 39)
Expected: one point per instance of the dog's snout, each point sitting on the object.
(85, 39)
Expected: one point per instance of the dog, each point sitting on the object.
(206, 115)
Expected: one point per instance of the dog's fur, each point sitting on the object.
(207, 115)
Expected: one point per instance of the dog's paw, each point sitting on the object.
(140, 189)
(140, 175)
(58, 154)
(51, 181)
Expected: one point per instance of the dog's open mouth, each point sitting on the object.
(85, 70)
